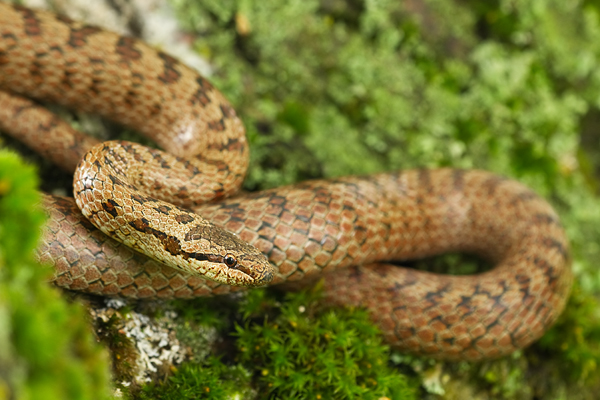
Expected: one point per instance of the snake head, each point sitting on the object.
(224, 257)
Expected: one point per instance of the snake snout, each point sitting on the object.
(257, 266)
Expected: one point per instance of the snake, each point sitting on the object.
(147, 223)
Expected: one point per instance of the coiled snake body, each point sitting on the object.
(306, 229)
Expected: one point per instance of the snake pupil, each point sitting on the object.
(230, 261)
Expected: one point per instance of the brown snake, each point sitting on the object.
(305, 230)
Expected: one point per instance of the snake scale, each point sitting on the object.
(342, 229)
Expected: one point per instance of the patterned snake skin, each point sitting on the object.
(307, 230)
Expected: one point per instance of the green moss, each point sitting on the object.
(573, 344)
(210, 380)
(304, 350)
(46, 348)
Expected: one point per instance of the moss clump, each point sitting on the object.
(304, 350)
(209, 380)
(572, 346)
(46, 348)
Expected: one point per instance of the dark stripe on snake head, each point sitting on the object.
(173, 246)
(206, 257)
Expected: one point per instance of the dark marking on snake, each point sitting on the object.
(32, 23)
(217, 126)
(110, 206)
(200, 97)
(184, 218)
(140, 199)
(204, 84)
(163, 209)
(227, 110)
(65, 19)
(126, 49)
(170, 243)
(170, 74)
(197, 232)
(78, 37)
(555, 244)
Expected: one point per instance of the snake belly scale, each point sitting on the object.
(341, 229)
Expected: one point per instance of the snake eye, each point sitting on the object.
(230, 261)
